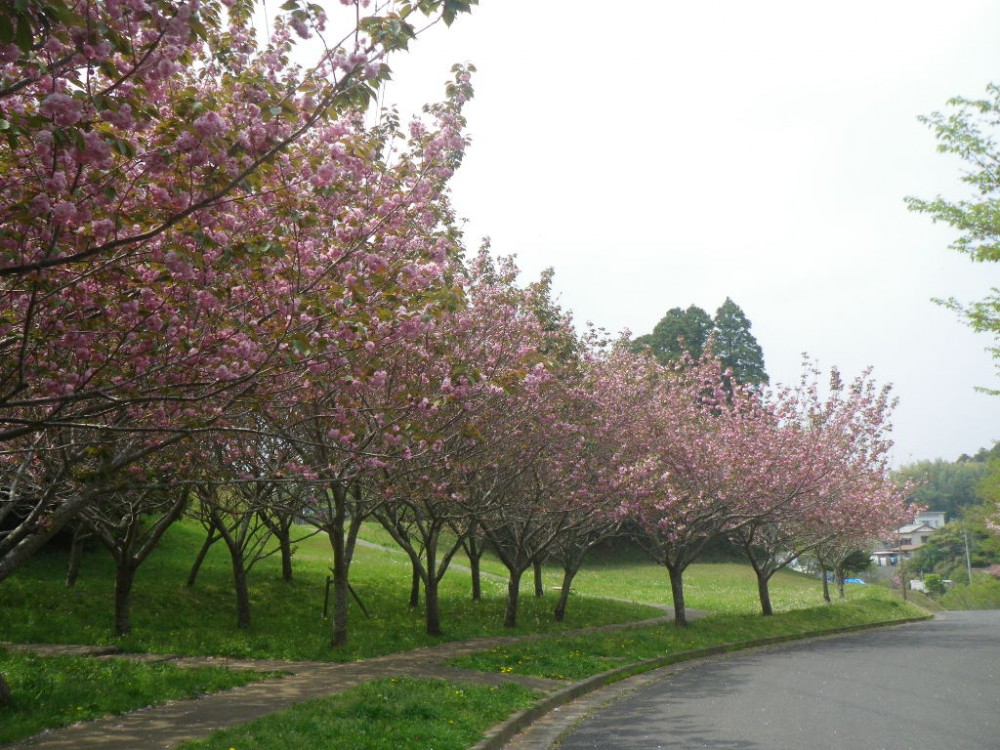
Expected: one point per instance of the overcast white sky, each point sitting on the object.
(661, 154)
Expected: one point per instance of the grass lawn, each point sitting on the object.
(583, 655)
(54, 691)
(168, 617)
(390, 714)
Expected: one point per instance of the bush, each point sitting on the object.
(984, 593)
(934, 584)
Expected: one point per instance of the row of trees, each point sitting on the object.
(224, 291)
(544, 445)
(191, 224)
(195, 229)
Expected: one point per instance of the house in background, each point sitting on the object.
(933, 518)
(911, 537)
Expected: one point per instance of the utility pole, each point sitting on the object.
(968, 559)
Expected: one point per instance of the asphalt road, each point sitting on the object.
(927, 686)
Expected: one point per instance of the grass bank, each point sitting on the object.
(55, 691)
(287, 622)
(578, 656)
(391, 714)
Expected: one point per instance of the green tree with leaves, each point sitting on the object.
(736, 346)
(690, 330)
(947, 486)
(945, 551)
(989, 491)
(677, 332)
(970, 130)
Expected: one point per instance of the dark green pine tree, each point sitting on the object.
(736, 346)
(678, 331)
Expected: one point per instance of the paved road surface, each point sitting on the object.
(928, 686)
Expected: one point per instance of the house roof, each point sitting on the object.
(911, 527)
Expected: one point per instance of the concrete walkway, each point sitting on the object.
(167, 725)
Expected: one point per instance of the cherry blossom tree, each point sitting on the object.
(691, 441)
(476, 364)
(169, 185)
(129, 522)
(820, 474)
(172, 192)
(232, 513)
(589, 450)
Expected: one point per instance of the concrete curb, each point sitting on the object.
(498, 736)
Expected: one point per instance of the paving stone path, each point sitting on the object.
(167, 725)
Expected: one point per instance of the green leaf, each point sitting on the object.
(453, 7)
(6, 30)
(58, 10)
(123, 147)
(23, 35)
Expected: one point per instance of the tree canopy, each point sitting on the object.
(689, 331)
(945, 551)
(736, 346)
(969, 130)
(948, 486)
(677, 332)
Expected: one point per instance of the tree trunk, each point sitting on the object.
(433, 605)
(80, 535)
(513, 590)
(285, 543)
(477, 583)
(433, 578)
(763, 590)
(206, 545)
(677, 591)
(5, 694)
(341, 592)
(124, 579)
(21, 544)
(414, 586)
(474, 551)
(280, 526)
(539, 585)
(826, 586)
(840, 583)
(242, 591)
(568, 575)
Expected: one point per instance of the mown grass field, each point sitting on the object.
(390, 714)
(287, 622)
(54, 691)
(168, 617)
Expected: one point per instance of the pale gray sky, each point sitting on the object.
(661, 154)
